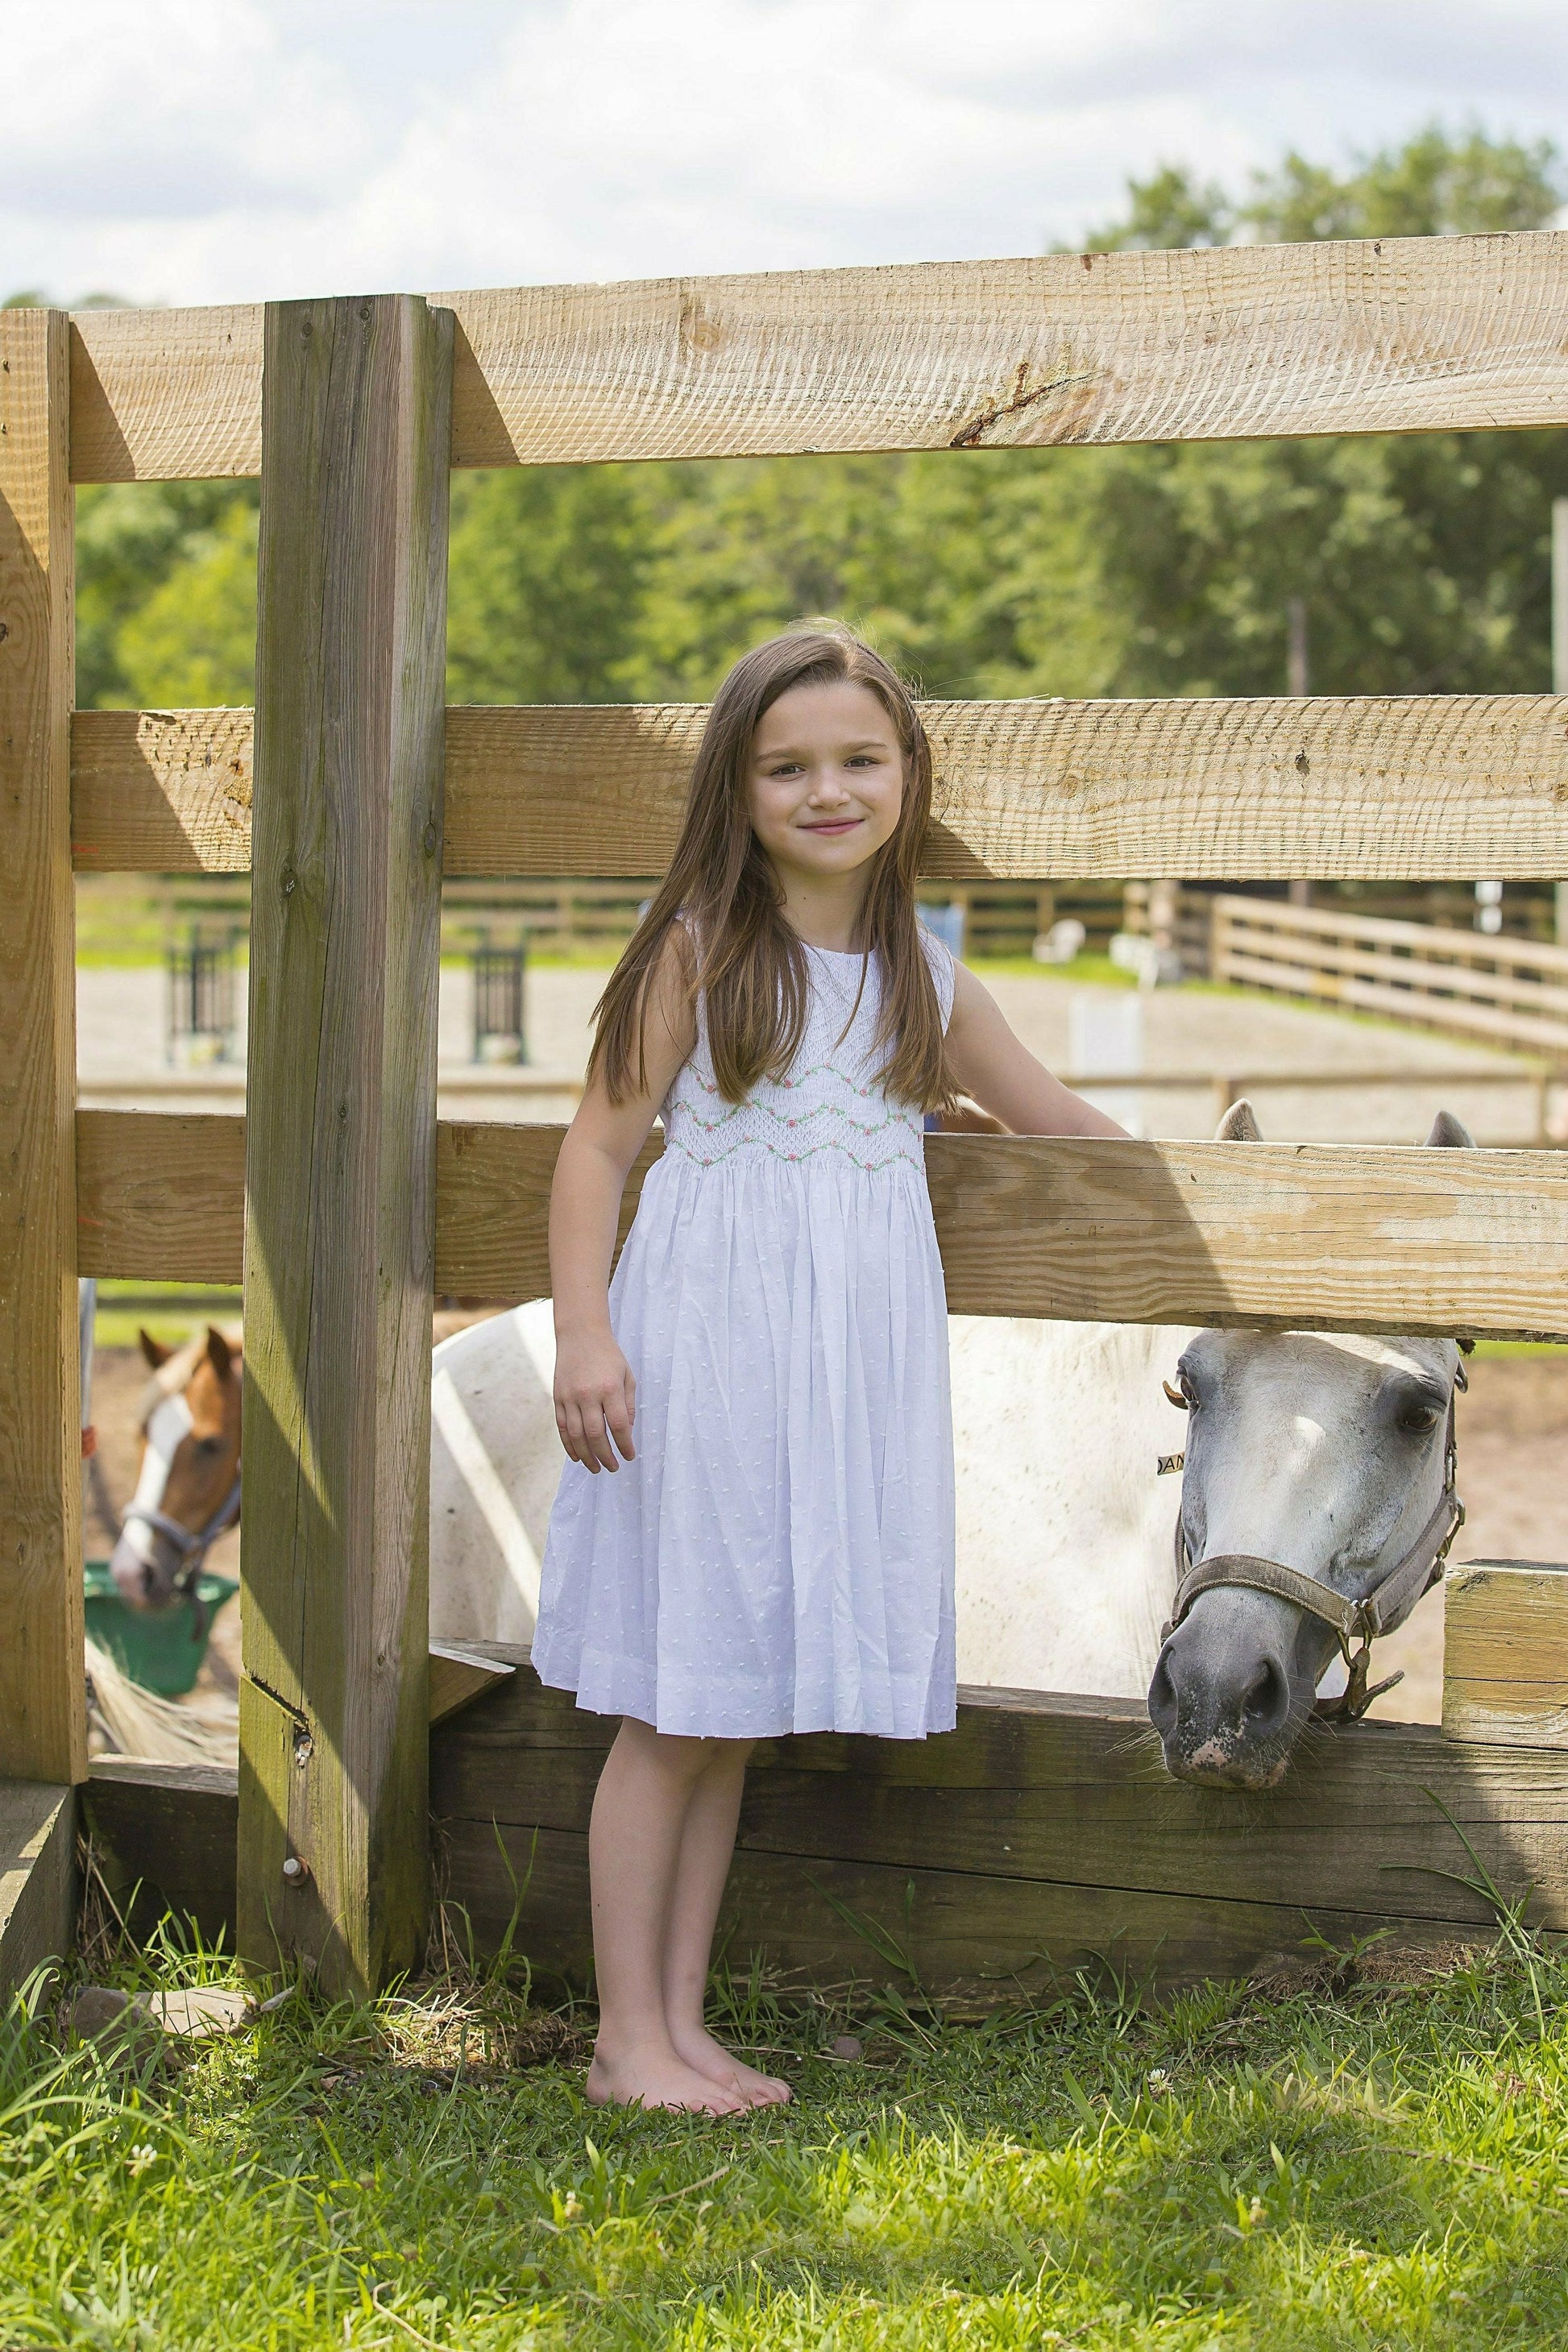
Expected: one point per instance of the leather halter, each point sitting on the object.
(193, 1547)
(1387, 1606)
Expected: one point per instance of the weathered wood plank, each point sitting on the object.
(1066, 1790)
(161, 792)
(1420, 785)
(1393, 335)
(989, 1941)
(1376, 1238)
(170, 1830)
(43, 1716)
(469, 1167)
(459, 1674)
(160, 1194)
(1505, 1654)
(339, 1167)
(37, 1878)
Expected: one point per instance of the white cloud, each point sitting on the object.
(218, 149)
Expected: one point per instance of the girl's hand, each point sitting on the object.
(595, 1401)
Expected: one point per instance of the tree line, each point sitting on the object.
(1421, 563)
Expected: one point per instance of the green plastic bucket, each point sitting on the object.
(162, 1649)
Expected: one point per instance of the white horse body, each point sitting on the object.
(1065, 1530)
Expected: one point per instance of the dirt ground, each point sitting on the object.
(1513, 1476)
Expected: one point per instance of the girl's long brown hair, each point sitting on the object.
(723, 900)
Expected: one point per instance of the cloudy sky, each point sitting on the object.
(205, 151)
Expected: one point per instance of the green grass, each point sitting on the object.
(1360, 2164)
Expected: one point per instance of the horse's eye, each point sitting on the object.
(209, 1445)
(1418, 1418)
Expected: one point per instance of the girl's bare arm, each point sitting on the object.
(1003, 1076)
(595, 1392)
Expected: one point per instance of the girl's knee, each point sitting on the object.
(678, 1753)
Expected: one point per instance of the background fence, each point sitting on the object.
(1508, 992)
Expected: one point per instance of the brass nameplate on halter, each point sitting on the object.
(1167, 1464)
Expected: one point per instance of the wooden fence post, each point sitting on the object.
(339, 1167)
(43, 1717)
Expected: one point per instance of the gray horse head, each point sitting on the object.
(1325, 1453)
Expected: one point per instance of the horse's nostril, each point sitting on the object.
(1163, 1699)
(1267, 1699)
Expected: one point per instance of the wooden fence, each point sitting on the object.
(1512, 992)
(348, 1206)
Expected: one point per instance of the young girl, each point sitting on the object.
(765, 1379)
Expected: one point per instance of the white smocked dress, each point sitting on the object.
(779, 1557)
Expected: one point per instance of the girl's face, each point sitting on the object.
(826, 779)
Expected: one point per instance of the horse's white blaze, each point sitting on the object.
(168, 1426)
(490, 1497)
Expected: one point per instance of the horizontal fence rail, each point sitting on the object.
(1510, 992)
(1417, 334)
(1375, 1238)
(1424, 786)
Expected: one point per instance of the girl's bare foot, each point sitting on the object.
(698, 2048)
(653, 2078)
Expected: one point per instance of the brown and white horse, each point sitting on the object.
(187, 1492)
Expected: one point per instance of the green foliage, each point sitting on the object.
(165, 595)
(1423, 561)
(549, 571)
(1435, 185)
(1358, 2163)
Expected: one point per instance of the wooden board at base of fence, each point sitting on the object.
(1392, 334)
(37, 1878)
(1380, 1237)
(1427, 786)
(1040, 1837)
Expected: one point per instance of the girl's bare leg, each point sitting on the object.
(706, 1847)
(634, 1853)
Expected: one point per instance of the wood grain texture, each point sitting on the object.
(1423, 786)
(37, 1878)
(1393, 335)
(969, 1934)
(460, 1675)
(492, 1209)
(161, 792)
(43, 1716)
(984, 1942)
(1034, 1786)
(341, 1132)
(1034, 1837)
(160, 1194)
(1377, 1237)
(170, 1831)
(1505, 1654)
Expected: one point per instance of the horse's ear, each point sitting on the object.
(1451, 1134)
(220, 1355)
(156, 1355)
(1240, 1125)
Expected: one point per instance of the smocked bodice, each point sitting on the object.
(831, 1102)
